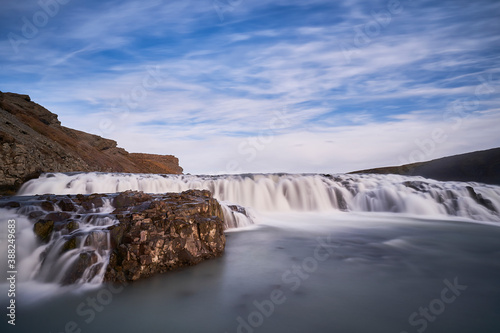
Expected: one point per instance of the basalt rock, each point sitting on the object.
(162, 232)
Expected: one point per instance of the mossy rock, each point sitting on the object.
(43, 229)
(72, 225)
(69, 245)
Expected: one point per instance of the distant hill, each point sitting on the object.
(480, 166)
(33, 141)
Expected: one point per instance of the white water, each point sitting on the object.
(382, 267)
(243, 199)
(47, 262)
(284, 193)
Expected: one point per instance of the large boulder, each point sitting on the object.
(162, 232)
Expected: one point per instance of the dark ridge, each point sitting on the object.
(479, 166)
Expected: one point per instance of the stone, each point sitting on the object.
(128, 199)
(66, 205)
(58, 216)
(170, 231)
(238, 209)
(69, 245)
(78, 268)
(72, 225)
(36, 214)
(47, 205)
(43, 229)
(480, 199)
(11, 204)
(417, 185)
(92, 201)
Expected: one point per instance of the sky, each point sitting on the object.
(238, 86)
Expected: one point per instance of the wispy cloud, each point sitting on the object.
(358, 87)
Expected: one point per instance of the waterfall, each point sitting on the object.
(70, 244)
(77, 249)
(283, 192)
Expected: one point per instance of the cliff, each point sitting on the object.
(33, 141)
(480, 166)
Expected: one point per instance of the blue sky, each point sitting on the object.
(264, 86)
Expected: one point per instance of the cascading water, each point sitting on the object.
(77, 251)
(362, 193)
(312, 246)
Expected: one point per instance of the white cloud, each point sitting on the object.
(220, 82)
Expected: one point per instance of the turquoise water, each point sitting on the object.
(301, 272)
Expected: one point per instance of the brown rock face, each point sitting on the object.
(33, 141)
(151, 163)
(162, 232)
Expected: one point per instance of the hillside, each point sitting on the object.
(33, 141)
(480, 166)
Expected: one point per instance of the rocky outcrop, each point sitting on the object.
(141, 234)
(33, 141)
(151, 163)
(159, 233)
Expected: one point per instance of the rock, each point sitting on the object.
(128, 199)
(417, 185)
(341, 202)
(11, 204)
(47, 205)
(78, 268)
(480, 200)
(69, 245)
(160, 164)
(116, 233)
(169, 231)
(92, 201)
(58, 216)
(72, 225)
(238, 209)
(43, 229)
(36, 214)
(66, 205)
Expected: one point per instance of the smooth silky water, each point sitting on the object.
(312, 269)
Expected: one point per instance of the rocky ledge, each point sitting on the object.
(140, 234)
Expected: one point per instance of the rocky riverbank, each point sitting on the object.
(121, 237)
